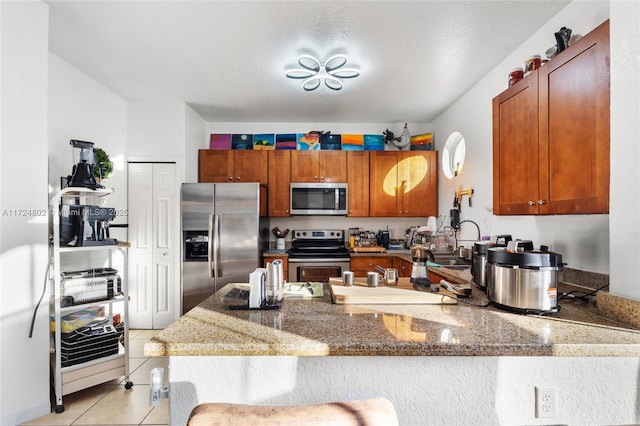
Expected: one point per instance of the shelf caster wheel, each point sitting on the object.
(128, 385)
(59, 408)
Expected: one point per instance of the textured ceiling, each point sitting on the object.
(227, 59)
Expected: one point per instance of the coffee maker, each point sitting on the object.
(419, 253)
(85, 225)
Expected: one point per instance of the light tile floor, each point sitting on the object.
(110, 403)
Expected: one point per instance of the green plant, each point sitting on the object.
(104, 166)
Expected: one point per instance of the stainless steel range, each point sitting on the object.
(317, 255)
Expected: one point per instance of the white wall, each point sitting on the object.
(196, 137)
(81, 108)
(424, 390)
(156, 131)
(624, 224)
(23, 206)
(582, 240)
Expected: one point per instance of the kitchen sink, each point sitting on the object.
(452, 261)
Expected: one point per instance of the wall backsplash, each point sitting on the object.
(396, 226)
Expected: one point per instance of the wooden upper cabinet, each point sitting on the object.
(418, 178)
(232, 166)
(279, 178)
(358, 180)
(574, 127)
(551, 135)
(383, 183)
(215, 165)
(515, 148)
(319, 166)
(403, 183)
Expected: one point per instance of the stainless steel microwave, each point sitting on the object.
(318, 199)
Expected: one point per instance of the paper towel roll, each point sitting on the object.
(432, 223)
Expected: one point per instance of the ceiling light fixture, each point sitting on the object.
(314, 72)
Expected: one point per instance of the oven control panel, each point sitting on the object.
(320, 234)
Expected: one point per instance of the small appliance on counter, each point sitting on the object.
(479, 258)
(383, 239)
(266, 289)
(419, 253)
(522, 279)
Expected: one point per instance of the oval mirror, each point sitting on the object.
(453, 155)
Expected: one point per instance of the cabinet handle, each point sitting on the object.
(230, 177)
(532, 203)
(541, 202)
(315, 177)
(238, 178)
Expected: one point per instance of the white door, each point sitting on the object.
(154, 278)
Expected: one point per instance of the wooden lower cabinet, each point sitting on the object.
(404, 267)
(435, 278)
(360, 265)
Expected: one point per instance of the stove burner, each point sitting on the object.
(318, 244)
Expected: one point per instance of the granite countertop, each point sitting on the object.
(317, 327)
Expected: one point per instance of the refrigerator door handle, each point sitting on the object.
(210, 247)
(216, 246)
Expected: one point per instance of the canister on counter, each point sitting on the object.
(515, 75)
(347, 278)
(532, 64)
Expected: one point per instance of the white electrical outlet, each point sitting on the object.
(545, 402)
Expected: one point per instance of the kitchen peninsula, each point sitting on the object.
(426, 359)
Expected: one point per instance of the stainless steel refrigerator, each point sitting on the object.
(223, 237)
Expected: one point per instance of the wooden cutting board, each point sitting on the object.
(368, 249)
(402, 294)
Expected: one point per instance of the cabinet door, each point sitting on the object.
(279, 179)
(154, 266)
(166, 267)
(304, 166)
(418, 183)
(250, 166)
(332, 166)
(319, 166)
(383, 184)
(215, 165)
(358, 180)
(574, 128)
(515, 148)
(404, 267)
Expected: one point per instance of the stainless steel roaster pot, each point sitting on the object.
(524, 281)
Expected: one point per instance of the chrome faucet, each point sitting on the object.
(471, 221)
